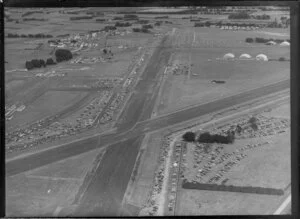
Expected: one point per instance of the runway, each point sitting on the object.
(56, 154)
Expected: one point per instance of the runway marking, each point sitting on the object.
(57, 210)
(283, 205)
(194, 37)
(54, 178)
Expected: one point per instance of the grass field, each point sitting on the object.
(200, 50)
(48, 104)
(39, 192)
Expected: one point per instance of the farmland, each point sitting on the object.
(97, 101)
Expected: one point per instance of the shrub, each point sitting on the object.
(189, 136)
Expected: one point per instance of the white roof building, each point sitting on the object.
(261, 57)
(228, 56)
(270, 43)
(285, 43)
(245, 56)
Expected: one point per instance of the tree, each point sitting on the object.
(253, 123)
(29, 65)
(189, 136)
(205, 138)
(63, 55)
(50, 61)
(42, 63)
(249, 40)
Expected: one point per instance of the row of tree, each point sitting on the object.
(206, 137)
(239, 15)
(120, 24)
(161, 17)
(101, 19)
(108, 28)
(60, 55)
(81, 18)
(231, 188)
(38, 35)
(261, 17)
(38, 63)
(263, 40)
(31, 12)
(35, 19)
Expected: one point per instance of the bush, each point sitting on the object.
(189, 136)
(63, 55)
(249, 40)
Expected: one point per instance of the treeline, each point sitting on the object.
(130, 17)
(264, 40)
(95, 13)
(261, 17)
(142, 22)
(38, 35)
(81, 18)
(63, 35)
(145, 28)
(101, 19)
(35, 19)
(60, 55)
(206, 137)
(157, 23)
(120, 24)
(31, 12)
(231, 188)
(161, 17)
(38, 63)
(108, 28)
(206, 24)
(239, 15)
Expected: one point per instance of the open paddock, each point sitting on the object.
(47, 105)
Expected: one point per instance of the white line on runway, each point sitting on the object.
(54, 178)
(283, 205)
(57, 210)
